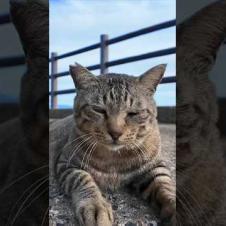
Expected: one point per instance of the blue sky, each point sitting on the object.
(78, 23)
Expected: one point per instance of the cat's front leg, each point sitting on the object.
(89, 205)
(155, 183)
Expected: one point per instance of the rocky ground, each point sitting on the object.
(129, 210)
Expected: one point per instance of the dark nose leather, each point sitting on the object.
(115, 134)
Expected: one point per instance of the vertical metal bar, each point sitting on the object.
(103, 54)
(53, 80)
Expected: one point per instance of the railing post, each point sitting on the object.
(103, 54)
(53, 80)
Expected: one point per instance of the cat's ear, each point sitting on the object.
(81, 76)
(153, 77)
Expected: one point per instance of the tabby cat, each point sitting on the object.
(114, 142)
(201, 190)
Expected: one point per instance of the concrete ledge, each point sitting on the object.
(165, 114)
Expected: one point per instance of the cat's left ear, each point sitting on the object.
(151, 78)
(81, 76)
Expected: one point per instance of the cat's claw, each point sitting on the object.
(95, 212)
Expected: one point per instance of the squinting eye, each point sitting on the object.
(131, 114)
(100, 110)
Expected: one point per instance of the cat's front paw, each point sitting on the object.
(94, 212)
(168, 213)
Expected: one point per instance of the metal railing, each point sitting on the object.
(104, 62)
(104, 53)
(5, 18)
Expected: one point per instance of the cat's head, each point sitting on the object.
(116, 110)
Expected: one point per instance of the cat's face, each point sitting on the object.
(116, 110)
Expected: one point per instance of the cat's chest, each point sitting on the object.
(113, 177)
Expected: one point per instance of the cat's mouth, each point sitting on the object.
(114, 145)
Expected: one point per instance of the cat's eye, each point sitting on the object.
(141, 115)
(131, 114)
(99, 110)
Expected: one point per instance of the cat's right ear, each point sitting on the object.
(81, 76)
(151, 78)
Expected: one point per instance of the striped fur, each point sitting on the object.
(114, 142)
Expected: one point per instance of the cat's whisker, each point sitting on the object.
(22, 177)
(137, 153)
(151, 148)
(142, 151)
(77, 138)
(23, 194)
(187, 211)
(91, 152)
(45, 215)
(74, 148)
(197, 183)
(33, 200)
(86, 154)
(194, 199)
(188, 208)
(79, 147)
(22, 208)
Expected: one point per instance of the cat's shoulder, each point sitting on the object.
(61, 127)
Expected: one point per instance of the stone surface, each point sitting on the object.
(128, 209)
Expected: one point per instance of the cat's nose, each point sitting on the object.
(115, 134)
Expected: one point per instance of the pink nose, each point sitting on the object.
(115, 134)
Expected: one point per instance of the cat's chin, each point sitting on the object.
(114, 147)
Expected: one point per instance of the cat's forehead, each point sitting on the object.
(120, 91)
(117, 81)
(120, 87)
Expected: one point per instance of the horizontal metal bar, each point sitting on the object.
(170, 79)
(66, 91)
(94, 67)
(142, 57)
(82, 50)
(142, 32)
(5, 18)
(62, 74)
(127, 60)
(121, 38)
(12, 61)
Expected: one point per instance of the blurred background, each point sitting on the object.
(185, 9)
(75, 24)
(11, 65)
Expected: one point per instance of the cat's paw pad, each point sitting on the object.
(95, 212)
(168, 213)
